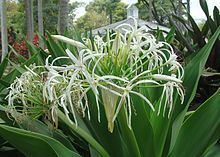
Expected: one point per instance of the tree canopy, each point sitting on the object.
(100, 13)
(16, 15)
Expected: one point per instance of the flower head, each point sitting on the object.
(114, 68)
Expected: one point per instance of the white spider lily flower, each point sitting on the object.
(117, 43)
(110, 101)
(167, 97)
(27, 91)
(69, 41)
(161, 77)
(114, 68)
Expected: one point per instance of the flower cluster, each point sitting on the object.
(114, 67)
(26, 90)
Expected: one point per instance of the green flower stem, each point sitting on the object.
(83, 134)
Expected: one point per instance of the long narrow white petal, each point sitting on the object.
(69, 41)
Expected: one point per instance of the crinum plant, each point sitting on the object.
(114, 70)
(124, 87)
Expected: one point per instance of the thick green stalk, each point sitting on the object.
(83, 134)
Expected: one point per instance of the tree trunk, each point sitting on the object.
(4, 34)
(63, 15)
(150, 10)
(179, 8)
(188, 6)
(110, 17)
(40, 22)
(180, 14)
(29, 19)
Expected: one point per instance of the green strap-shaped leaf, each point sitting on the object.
(128, 135)
(170, 35)
(33, 50)
(34, 144)
(193, 71)
(205, 28)
(16, 73)
(216, 16)
(39, 127)
(56, 50)
(198, 36)
(213, 152)
(198, 129)
(142, 128)
(83, 133)
(19, 57)
(111, 142)
(3, 66)
(204, 7)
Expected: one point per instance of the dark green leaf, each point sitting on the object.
(142, 127)
(198, 129)
(216, 16)
(193, 71)
(213, 152)
(34, 144)
(204, 7)
(3, 66)
(57, 50)
(197, 33)
(170, 35)
(33, 50)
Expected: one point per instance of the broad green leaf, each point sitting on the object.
(57, 49)
(20, 58)
(4, 83)
(193, 71)
(15, 73)
(212, 24)
(204, 7)
(170, 35)
(3, 66)
(112, 142)
(160, 126)
(205, 28)
(197, 33)
(142, 128)
(128, 134)
(34, 144)
(198, 129)
(39, 127)
(33, 50)
(82, 133)
(214, 151)
(216, 16)
(1, 121)
(17, 67)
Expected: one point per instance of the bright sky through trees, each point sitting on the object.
(196, 11)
